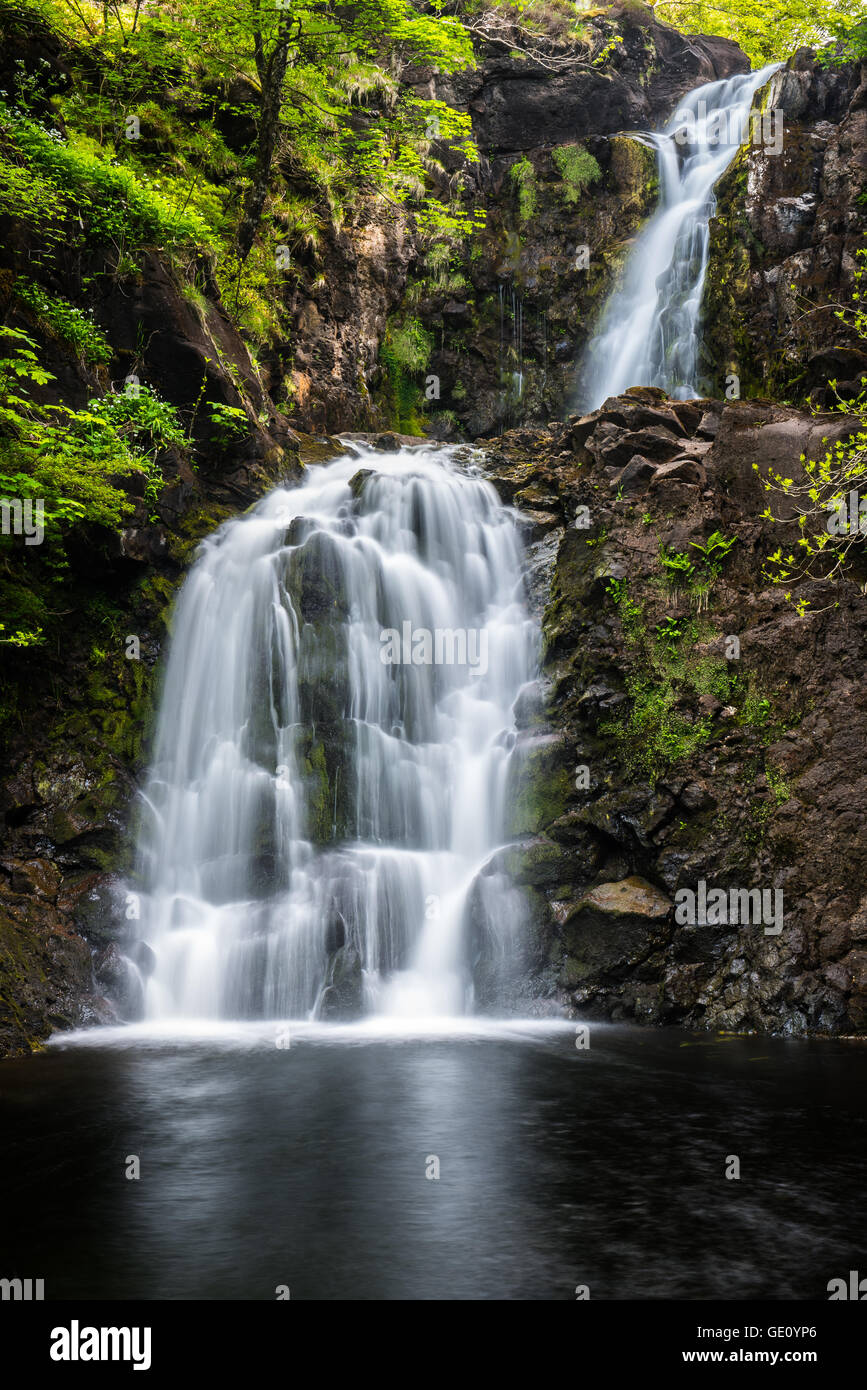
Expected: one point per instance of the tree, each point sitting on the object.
(316, 54)
(767, 32)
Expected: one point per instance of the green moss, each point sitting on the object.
(578, 170)
(540, 788)
(523, 178)
(319, 799)
(404, 352)
(155, 595)
(661, 726)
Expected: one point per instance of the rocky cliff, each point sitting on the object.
(785, 240)
(508, 313)
(689, 726)
(564, 190)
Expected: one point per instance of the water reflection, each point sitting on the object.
(306, 1166)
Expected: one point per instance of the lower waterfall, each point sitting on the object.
(334, 746)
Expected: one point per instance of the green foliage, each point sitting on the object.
(697, 577)
(145, 424)
(65, 322)
(410, 345)
(228, 422)
(67, 188)
(669, 632)
(850, 46)
(679, 569)
(756, 710)
(769, 32)
(631, 613)
(669, 670)
(658, 730)
(578, 170)
(523, 177)
(346, 129)
(405, 351)
(74, 460)
(654, 736)
(607, 49)
(713, 551)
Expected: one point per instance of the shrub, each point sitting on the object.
(405, 351)
(577, 168)
(47, 180)
(65, 322)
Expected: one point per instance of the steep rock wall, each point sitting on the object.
(785, 242)
(660, 751)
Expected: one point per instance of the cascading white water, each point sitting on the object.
(649, 331)
(330, 763)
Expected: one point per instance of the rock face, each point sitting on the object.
(519, 105)
(340, 310)
(692, 727)
(784, 244)
(511, 311)
(510, 315)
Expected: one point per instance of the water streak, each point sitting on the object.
(649, 333)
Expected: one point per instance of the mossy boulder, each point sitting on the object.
(611, 928)
(539, 786)
(46, 979)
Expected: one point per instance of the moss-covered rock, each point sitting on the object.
(46, 980)
(539, 786)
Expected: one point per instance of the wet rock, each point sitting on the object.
(97, 905)
(39, 878)
(358, 480)
(726, 805)
(543, 863)
(529, 708)
(613, 928)
(539, 784)
(637, 471)
(343, 998)
(610, 445)
(788, 227)
(708, 426)
(46, 978)
(537, 524)
(630, 897)
(684, 470)
(143, 957)
(120, 979)
(696, 797)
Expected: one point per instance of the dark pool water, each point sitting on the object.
(305, 1166)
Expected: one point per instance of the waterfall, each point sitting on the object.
(649, 330)
(333, 747)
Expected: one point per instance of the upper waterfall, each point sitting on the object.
(333, 743)
(649, 332)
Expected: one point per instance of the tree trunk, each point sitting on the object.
(273, 73)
